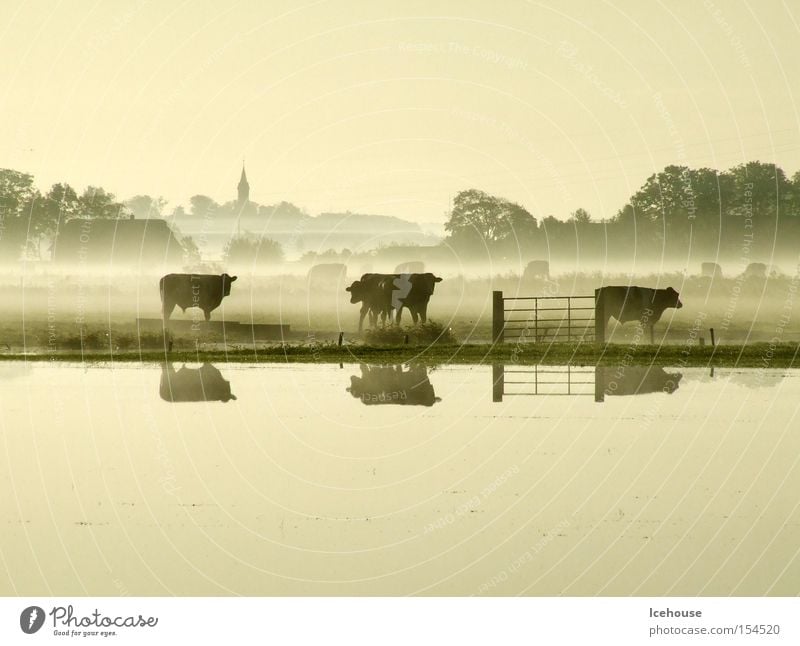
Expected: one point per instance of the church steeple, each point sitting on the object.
(244, 189)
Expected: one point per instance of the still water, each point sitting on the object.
(394, 480)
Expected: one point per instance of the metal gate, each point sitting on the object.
(538, 319)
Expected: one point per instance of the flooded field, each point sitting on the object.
(280, 479)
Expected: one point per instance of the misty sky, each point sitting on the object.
(393, 107)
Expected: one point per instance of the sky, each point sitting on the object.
(394, 107)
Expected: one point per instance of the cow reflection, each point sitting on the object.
(393, 385)
(634, 380)
(194, 384)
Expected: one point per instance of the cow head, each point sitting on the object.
(672, 298)
(425, 282)
(356, 291)
(226, 284)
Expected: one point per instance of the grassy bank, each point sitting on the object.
(758, 355)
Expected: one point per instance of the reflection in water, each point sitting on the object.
(634, 380)
(14, 370)
(541, 380)
(578, 380)
(754, 378)
(194, 384)
(305, 491)
(393, 385)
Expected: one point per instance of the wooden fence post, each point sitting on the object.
(569, 321)
(498, 381)
(498, 317)
(599, 317)
(599, 384)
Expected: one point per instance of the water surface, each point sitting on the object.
(327, 479)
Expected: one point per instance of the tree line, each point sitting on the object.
(28, 216)
(749, 210)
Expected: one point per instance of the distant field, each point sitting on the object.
(43, 311)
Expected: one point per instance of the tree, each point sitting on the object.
(97, 203)
(474, 218)
(249, 249)
(64, 199)
(282, 211)
(178, 213)
(760, 190)
(144, 206)
(191, 252)
(478, 218)
(663, 210)
(61, 204)
(580, 216)
(49, 212)
(709, 188)
(16, 190)
(517, 224)
(203, 206)
(27, 215)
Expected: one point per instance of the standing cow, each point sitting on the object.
(641, 304)
(205, 291)
(413, 291)
(756, 270)
(374, 292)
(380, 294)
(326, 276)
(535, 270)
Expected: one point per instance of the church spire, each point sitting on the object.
(244, 189)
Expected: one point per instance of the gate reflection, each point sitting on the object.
(597, 381)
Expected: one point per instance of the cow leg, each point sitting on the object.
(423, 312)
(362, 314)
(399, 314)
(207, 314)
(414, 315)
